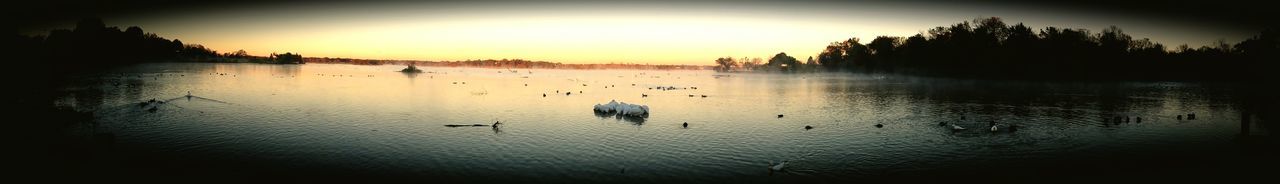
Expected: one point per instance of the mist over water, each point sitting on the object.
(358, 120)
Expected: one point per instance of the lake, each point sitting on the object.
(329, 121)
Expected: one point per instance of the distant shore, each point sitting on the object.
(503, 63)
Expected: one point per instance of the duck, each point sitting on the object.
(642, 95)
(704, 96)
(779, 115)
(1179, 117)
(807, 127)
(956, 127)
(686, 124)
(878, 125)
(995, 128)
(778, 167)
(1137, 119)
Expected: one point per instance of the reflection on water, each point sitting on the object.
(374, 119)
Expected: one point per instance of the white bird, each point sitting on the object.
(777, 167)
(993, 128)
(956, 127)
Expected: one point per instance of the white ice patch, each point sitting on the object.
(622, 108)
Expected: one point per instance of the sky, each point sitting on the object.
(664, 32)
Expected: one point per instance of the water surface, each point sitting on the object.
(315, 119)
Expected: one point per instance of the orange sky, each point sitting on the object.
(669, 33)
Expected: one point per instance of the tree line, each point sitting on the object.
(503, 63)
(990, 48)
(91, 44)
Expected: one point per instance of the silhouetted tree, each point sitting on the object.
(725, 64)
(751, 64)
(287, 58)
(991, 48)
(783, 62)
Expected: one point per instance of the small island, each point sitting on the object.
(411, 69)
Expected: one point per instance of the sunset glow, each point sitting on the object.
(671, 33)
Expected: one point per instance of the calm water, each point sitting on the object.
(321, 118)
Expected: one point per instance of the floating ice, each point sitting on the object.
(624, 109)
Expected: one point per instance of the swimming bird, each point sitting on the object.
(956, 127)
(686, 124)
(704, 96)
(779, 115)
(643, 95)
(1179, 117)
(1138, 119)
(567, 93)
(994, 128)
(879, 125)
(544, 95)
(806, 127)
(777, 167)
